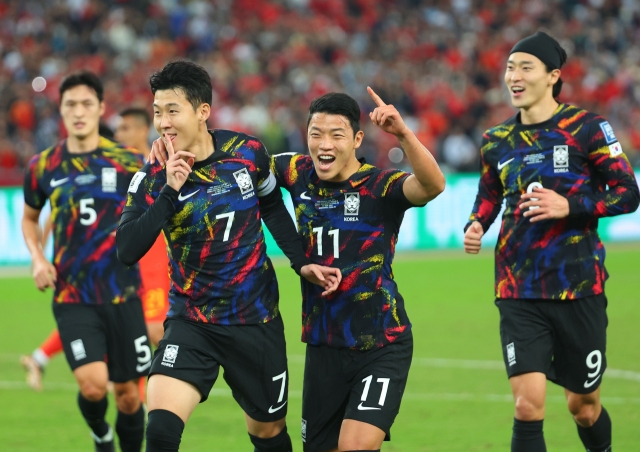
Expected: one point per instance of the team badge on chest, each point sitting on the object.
(351, 206)
(243, 178)
(560, 159)
(109, 180)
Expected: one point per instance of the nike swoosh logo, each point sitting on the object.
(365, 408)
(588, 384)
(143, 367)
(273, 410)
(182, 198)
(54, 183)
(304, 195)
(502, 165)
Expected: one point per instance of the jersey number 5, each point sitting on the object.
(85, 209)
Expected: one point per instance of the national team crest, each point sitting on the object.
(109, 180)
(170, 354)
(511, 354)
(243, 178)
(561, 158)
(351, 203)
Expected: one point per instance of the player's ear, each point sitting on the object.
(554, 76)
(204, 111)
(102, 108)
(358, 139)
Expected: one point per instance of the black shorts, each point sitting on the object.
(565, 340)
(349, 384)
(115, 333)
(253, 358)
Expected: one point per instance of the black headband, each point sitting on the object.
(544, 47)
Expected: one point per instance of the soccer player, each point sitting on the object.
(552, 163)
(359, 340)
(208, 201)
(96, 300)
(133, 129)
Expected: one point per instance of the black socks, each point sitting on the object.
(597, 438)
(130, 430)
(93, 413)
(164, 431)
(279, 443)
(527, 436)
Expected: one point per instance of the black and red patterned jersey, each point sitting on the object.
(352, 225)
(577, 155)
(87, 193)
(219, 269)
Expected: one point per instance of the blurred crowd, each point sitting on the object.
(440, 62)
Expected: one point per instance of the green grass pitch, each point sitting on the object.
(457, 397)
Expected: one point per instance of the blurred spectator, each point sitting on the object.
(440, 63)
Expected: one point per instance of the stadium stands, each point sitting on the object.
(440, 63)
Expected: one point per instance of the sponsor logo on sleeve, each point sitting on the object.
(609, 136)
(135, 181)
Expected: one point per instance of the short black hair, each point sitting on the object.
(557, 87)
(190, 77)
(82, 78)
(337, 104)
(139, 113)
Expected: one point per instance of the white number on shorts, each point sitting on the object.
(594, 364)
(144, 361)
(227, 230)
(283, 377)
(367, 385)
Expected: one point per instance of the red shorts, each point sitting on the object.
(155, 281)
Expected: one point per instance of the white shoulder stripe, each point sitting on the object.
(267, 186)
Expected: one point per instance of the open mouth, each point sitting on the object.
(517, 91)
(325, 161)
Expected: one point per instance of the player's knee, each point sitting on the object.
(280, 442)
(528, 409)
(585, 414)
(164, 431)
(92, 391)
(128, 402)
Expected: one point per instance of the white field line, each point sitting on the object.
(442, 363)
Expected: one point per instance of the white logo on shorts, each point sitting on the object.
(303, 431)
(511, 354)
(77, 347)
(170, 355)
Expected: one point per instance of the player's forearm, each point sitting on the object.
(280, 224)
(424, 166)
(616, 201)
(32, 237)
(138, 231)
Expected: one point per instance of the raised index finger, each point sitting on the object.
(379, 102)
(169, 145)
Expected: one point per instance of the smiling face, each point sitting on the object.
(332, 146)
(528, 81)
(174, 115)
(81, 111)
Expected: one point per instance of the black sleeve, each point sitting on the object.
(280, 224)
(139, 229)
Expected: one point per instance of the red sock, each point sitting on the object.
(142, 387)
(52, 344)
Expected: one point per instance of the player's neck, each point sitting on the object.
(539, 112)
(143, 147)
(76, 145)
(203, 146)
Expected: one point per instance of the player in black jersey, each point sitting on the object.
(208, 201)
(552, 163)
(359, 340)
(96, 298)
